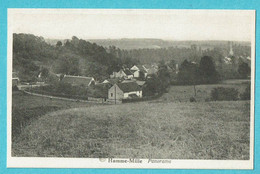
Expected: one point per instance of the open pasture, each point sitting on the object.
(27, 108)
(202, 130)
(203, 92)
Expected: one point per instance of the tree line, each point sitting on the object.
(190, 73)
(32, 55)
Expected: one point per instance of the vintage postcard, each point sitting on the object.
(131, 88)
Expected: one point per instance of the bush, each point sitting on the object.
(192, 99)
(224, 94)
(246, 94)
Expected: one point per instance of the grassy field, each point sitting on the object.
(26, 108)
(202, 130)
(183, 93)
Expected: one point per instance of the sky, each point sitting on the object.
(235, 25)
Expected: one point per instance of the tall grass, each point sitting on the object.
(210, 130)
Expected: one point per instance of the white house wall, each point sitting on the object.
(136, 74)
(138, 93)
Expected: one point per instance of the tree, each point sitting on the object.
(59, 44)
(68, 64)
(189, 75)
(152, 86)
(208, 72)
(163, 76)
(244, 70)
(44, 73)
(96, 70)
(75, 41)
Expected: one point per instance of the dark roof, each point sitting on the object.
(132, 71)
(129, 87)
(128, 72)
(129, 81)
(77, 80)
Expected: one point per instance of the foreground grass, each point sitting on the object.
(27, 108)
(206, 130)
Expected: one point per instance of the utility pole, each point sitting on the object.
(115, 93)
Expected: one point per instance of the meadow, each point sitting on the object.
(199, 130)
(27, 108)
(184, 93)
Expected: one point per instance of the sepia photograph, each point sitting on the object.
(131, 88)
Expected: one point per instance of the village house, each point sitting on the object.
(121, 91)
(78, 80)
(137, 70)
(150, 69)
(123, 73)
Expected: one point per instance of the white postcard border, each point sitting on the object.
(46, 162)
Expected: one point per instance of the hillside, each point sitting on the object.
(32, 54)
(206, 130)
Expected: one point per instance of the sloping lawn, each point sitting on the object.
(206, 130)
(27, 108)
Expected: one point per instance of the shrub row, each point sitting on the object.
(224, 94)
(229, 94)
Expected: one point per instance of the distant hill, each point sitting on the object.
(129, 44)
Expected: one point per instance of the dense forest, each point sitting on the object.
(32, 55)
(192, 53)
(155, 50)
